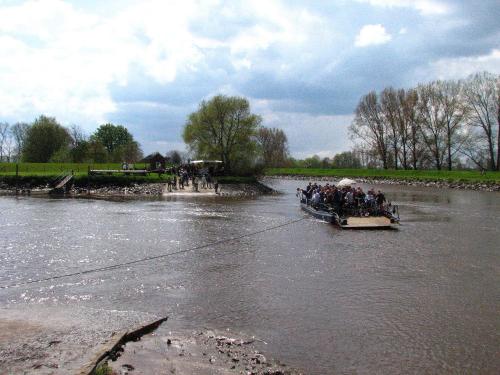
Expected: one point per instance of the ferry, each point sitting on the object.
(386, 218)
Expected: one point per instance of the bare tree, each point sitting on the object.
(274, 145)
(4, 133)
(390, 109)
(433, 127)
(454, 112)
(482, 100)
(19, 131)
(369, 125)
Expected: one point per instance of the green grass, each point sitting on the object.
(426, 175)
(54, 169)
(40, 174)
(103, 369)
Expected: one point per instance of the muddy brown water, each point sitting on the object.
(422, 299)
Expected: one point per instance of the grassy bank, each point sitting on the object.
(55, 169)
(41, 174)
(422, 175)
(31, 181)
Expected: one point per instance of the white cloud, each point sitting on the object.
(60, 60)
(308, 134)
(461, 67)
(425, 7)
(372, 35)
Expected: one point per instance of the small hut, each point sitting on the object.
(155, 160)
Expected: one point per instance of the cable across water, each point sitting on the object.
(142, 260)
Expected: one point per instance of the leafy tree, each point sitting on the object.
(223, 128)
(96, 151)
(130, 152)
(112, 136)
(118, 143)
(43, 139)
(312, 162)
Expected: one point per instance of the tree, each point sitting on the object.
(19, 131)
(175, 157)
(454, 113)
(313, 162)
(482, 97)
(347, 159)
(79, 146)
(369, 125)
(223, 128)
(96, 151)
(112, 136)
(43, 139)
(4, 133)
(130, 152)
(432, 119)
(389, 106)
(274, 146)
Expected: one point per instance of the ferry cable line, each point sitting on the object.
(142, 260)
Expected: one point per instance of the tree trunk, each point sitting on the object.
(405, 161)
(395, 147)
(492, 165)
(448, 144)
(498, 133)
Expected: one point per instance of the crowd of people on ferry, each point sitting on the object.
(342, 199)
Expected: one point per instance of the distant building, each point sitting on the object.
(155, 161)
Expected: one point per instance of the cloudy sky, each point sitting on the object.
(303, 64)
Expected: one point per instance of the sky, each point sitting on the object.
(303, 65)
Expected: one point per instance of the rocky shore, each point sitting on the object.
(140, 190)
(196, 353)
(479, 186)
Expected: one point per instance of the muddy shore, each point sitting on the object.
(478, 186)
(50, 342)
(196, 353)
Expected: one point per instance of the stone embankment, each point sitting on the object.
(245, 190)
(478, 186)
(152, 189)
(145, 190)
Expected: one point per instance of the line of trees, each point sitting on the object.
(438, 125)
(224, 128)
(45, 140)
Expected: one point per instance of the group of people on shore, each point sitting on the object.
(340, 199)
(200, 179)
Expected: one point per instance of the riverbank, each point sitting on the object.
(62, 341)
(465, 180)
(120, 186)
(196, 353)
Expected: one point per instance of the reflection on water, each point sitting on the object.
(423, 299)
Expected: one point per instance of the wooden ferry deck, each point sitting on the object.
(369, 222)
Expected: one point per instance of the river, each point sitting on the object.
(422, 299)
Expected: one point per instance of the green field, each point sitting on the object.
(426, 175)
(38, 174)
(55, 169)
